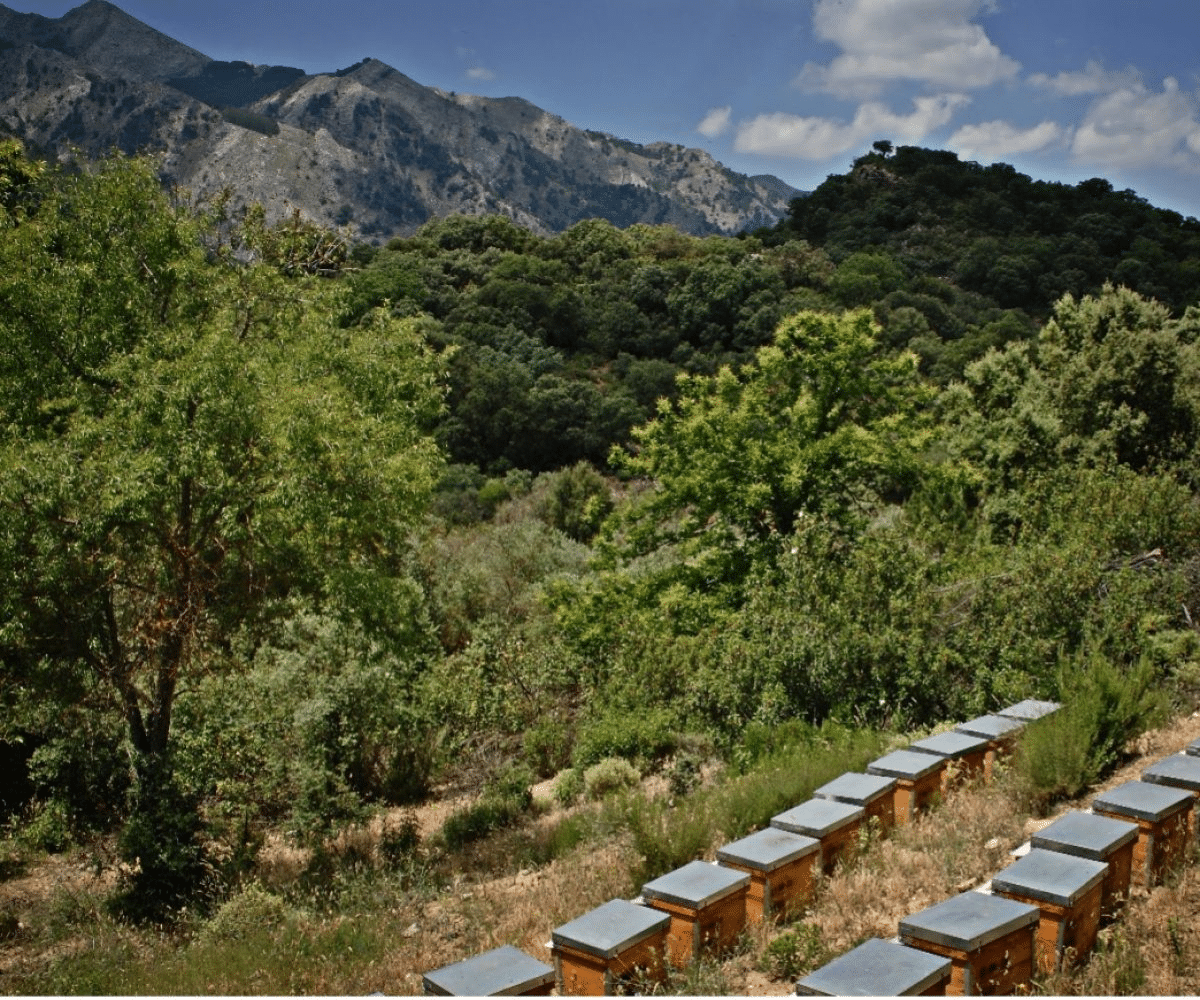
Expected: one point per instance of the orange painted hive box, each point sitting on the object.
(1162, 815)
(875, 793)
(614, 943)
(988, 939)
(707, 905)
(834, 824)
(1067, 890)
(782, 867)
(918, 780)
(1099, 838)
(965, 755)
(503, 971)
(1001, 731)
(1181, 770)
(878, 968)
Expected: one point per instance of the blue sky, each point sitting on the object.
(1062, 89)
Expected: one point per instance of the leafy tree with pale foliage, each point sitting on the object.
(190, 445)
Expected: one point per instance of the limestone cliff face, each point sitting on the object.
(366, 147)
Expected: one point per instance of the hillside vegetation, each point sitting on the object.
(293, 531)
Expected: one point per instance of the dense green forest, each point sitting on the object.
(291, 528)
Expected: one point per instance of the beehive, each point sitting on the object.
(875, 793)
(878, 968)
(1001, 731)
(595, 952)
(989, 941)
(782, 867)
(707, 905)
(1029, 710)
(1067, 890)
(1162, 815)
(503, 971)
(834, 824)
(964, 754)
(1180, 770)
(1193, 748)
(918, 780)
(1099, 838)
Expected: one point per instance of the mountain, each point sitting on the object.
(364, 147)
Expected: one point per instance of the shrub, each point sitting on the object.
(568, 787)
(251, 910)
(646, 735)
(1105, 706)
(610, 775)
(547, 746)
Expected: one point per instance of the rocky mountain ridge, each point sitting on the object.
(364, 147)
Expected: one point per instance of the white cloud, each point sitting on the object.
(820, 138)
(1092, 79)
(996, 139)
(715, 122)
(480, 73)
(929, 41)
(1134, 127)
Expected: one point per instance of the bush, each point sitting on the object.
(610, 775)
(1104, 707)
(646, 735)
(251, 910)
(547, 746)
(507, 798)
(568, 787)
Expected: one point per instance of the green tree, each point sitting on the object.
(189, 444)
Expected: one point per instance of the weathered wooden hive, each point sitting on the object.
(874, 793)
(783, 869)
(878, 968)
(965, 755)
(1001, 731)
(503, 971)
(988, 939)
(1067, 890)
(595, 953)
(834, 824)
(707, 906)
(1162, 815)
(1098, 838)
(918, 780)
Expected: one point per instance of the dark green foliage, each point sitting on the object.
(795, 953)
(578, 502)
(161, 843)
(505, 800)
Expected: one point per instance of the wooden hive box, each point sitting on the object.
(989, 941)
(1193, 748)
(918, 780)
(834, 824)
(965, 755)
(1067, 890)
(1162, 814)
(1000, 730)
(594, 953)
(1030, 710)
(878, 968)
(1099, 838)
(502, 972)
(782, 866)
(707, 905)
(875, 793)
(1180, 770)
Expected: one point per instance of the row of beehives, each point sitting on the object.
(706, 906)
